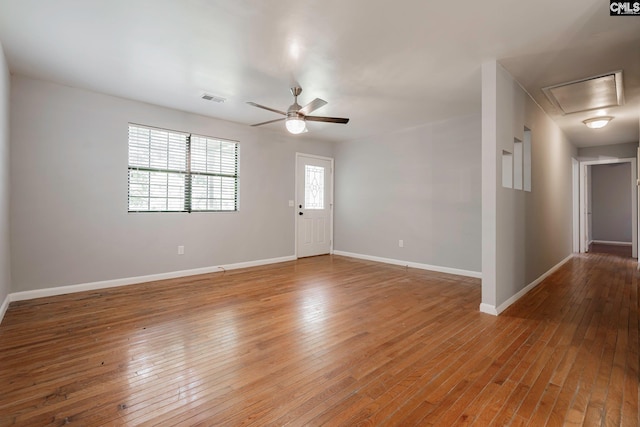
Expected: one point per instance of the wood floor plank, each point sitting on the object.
(328, 340)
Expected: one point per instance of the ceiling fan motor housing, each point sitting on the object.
(293, 110)
(295, 107)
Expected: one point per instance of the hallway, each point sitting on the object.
(589, 346)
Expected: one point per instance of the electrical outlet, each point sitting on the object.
(401, 243)
(180, 250)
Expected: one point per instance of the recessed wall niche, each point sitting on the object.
(507, 169)
(516, 165)
(526, 147)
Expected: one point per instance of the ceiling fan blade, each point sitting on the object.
(270, 121)
(312, 106)
(267, 108)
(326, 119)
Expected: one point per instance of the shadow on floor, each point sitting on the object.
(620, 250)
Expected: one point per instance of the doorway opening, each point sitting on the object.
(609, 212)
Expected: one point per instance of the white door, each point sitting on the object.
(314, 205)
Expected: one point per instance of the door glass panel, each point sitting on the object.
(313, 187)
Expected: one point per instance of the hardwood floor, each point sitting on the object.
(603, 248)
(328, 340)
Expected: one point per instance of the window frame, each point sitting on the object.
(187, 172)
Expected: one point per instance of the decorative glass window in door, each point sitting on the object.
(313, 187)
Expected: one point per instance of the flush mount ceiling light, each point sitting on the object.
(597, 122)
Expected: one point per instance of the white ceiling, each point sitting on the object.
(386, 65)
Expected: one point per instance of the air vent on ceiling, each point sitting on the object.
(587, 94)
(214, 98)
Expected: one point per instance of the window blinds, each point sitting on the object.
(214, 174)
(178, 172)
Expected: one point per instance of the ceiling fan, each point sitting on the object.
(296, 116)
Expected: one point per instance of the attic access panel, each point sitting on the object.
(587, 94)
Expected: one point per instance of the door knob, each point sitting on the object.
(300, 213)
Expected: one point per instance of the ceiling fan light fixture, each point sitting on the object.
(597, 122)
(296, 116)
(295, 125)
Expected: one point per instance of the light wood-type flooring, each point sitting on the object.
(328, 340)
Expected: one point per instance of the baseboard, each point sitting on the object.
(489, 309)
(439, 269)
(4, 306)
(40, 293)
(608, 242)
(502, 307)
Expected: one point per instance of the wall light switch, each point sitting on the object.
(401, 243)
(290, 203)
(180, 250)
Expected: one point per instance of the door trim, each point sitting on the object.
(634, 199)
(575, 178)
(297, 202)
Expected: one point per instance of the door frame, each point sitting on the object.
(575, 178)
(299, 202)
(634, 200)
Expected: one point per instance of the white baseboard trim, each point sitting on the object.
(607, 242)
(4, 306)
(39, 293)
(489, 309)
(502, 307)
(439, 269)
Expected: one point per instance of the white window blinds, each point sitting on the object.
(178, 172)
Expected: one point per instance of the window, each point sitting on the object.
(178, 172)
(313, 187)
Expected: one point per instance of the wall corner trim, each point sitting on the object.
(502, 307)
(488, 309)
(40, 293)
(4, 306)
(439, 269)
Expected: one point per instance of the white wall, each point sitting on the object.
(69, 192)
(611, 202)
(420, 185)
(524, 234)
(5, 270)
(604, 152)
